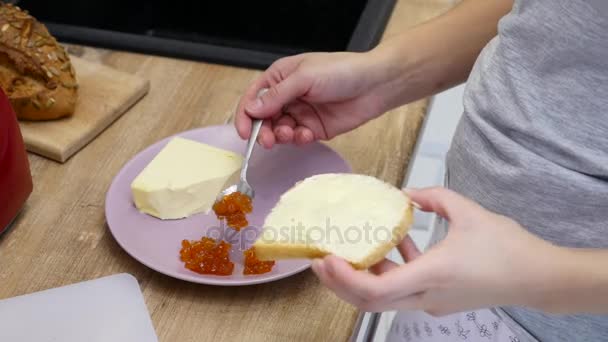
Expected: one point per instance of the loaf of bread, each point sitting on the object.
(35, 71)
(356, 217)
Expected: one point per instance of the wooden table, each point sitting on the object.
(62, 238)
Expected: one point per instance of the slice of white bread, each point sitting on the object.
(356, 217)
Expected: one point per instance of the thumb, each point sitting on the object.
(272, 101)
(446, 203)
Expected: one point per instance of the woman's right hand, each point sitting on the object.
(327, 94)
(314, 96)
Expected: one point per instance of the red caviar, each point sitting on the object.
(255, 266)
(233, 208)
(207, 257)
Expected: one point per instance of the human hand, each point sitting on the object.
(486, 260)
(314, 96)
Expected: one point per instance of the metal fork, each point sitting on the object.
(243, 186)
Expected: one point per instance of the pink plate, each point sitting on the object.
(156, 243)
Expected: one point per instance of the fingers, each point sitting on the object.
(242, 121)
(277, 96)
(266, 137)
(303, 135)
(283, 129)
(408, 249)
(273, 76)
(299, 125)
(383, 266)
(368, 291)
(446, 203)
(306, 115)
(320, 269)
(358, 287)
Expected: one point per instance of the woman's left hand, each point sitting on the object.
(486, 260)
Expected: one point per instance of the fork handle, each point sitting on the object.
(255, 130)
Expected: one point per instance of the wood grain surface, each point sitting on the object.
(61, 236)
(104, 95)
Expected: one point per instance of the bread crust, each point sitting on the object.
(35, 71)
(277, 251)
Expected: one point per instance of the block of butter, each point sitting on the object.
(184, 178)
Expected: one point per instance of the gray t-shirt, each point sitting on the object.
(533, 141)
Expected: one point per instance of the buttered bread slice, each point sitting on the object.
(356, 217)
(184, 178)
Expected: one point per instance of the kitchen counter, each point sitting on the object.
(61, 237)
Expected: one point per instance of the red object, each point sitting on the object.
(15, 176)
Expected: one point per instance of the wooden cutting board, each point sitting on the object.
(104, 95)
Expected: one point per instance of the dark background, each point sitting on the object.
(284, 27)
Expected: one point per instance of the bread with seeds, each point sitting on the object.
(35, 71)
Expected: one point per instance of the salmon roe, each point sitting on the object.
(233, 208)
(207, 257)
(255, 266)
